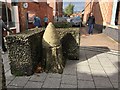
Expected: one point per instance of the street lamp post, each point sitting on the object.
(6, 12)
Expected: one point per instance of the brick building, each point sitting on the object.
(17, 13)
(48, 8)
(34, 8)
(57, 6)
(107, 15)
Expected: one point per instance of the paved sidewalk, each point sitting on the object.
(98, 39)
(97, 68)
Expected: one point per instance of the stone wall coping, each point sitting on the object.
(26, 34)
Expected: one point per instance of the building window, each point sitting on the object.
(4, 14)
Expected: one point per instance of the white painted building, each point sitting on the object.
(10, 14)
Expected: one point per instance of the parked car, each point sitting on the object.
(60, 19)
(75, 21)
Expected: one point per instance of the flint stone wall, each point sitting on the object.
(70, 40)
(25, 51)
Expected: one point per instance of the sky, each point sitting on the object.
(78, 6)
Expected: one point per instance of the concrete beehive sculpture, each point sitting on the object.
(50, 36)
(52, 50)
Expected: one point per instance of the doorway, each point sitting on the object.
(117, 18)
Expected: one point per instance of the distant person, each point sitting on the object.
(3, 26)
(37, 21)
(46, 21)
(90, 23)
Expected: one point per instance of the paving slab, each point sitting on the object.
(99, 73)
(51, 83)
(110, 71)
(105, 59)
(83, 63)
(19, 81)
(102, 55)
(31, 84)
(7, 82)
(54, 75)
(91, 52)
(84, 76)
(68, 86)
(71, 63)
(69, 79)
(93, 60)
(82, 54)
(70, 71)
(13, 87)
(38, 77)
(85, 84)
(108, 65)
(83, 69)
(115, 85)
(5, 58)
(96, 67)
(104, 41)
(112, 56)
(6, 66)
(90, 56)
(102, 82)
(113, 78)
(9, 78)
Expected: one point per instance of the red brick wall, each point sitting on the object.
(54, 4)
(101, 10)
(59, 8)
(40, 9)
(22, 16)
(51, 3)
(50, 13)
(87, 10)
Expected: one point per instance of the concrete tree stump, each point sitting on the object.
(52, 51)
